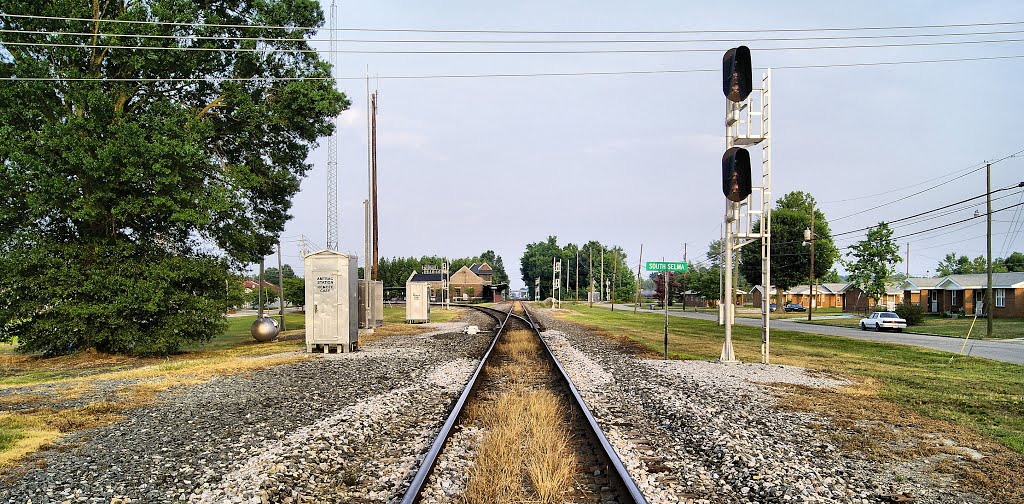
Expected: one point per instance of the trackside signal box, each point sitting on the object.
(332, 320)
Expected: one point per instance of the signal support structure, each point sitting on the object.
(748, 122)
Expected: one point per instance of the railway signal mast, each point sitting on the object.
(747, 122)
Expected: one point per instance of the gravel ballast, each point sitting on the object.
(692, 431)
(330, 428)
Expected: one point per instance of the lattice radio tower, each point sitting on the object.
(332, 146)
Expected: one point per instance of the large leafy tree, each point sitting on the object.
(137, 178)
(953, 264)
(536, 262)
(873, 260)
(791, 257)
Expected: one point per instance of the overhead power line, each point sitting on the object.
(544, 32)
(518, 51)
(513, 41)
(1015, 154)
(504, 75)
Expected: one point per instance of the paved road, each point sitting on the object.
(1001, 350)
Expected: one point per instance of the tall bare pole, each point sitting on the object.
(373, 181)
(684, 277)
(280, 284)
(590, 277)
(908, 259)
(988, 245)
(615, 277)
(576, 296)
(260, 287)
(639, 283)
(332, 146)
(665, 284)
(602, 285)
(810, 302)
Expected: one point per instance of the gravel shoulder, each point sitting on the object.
(692, 431)
(330, 428)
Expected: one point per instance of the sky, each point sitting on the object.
(470, 164)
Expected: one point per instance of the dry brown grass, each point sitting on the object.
(526, 454)
(39, 426)
(864, 423)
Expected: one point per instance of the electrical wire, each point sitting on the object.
(493, 75)
(545, 32)
(485, 41)
(504, 52)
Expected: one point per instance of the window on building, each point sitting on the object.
(1000, 298)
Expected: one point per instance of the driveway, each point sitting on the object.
(1001, 350)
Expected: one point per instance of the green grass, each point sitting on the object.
(985, 395)
(396, 314)
(10, 431)
(237, 332)
(1001, 328)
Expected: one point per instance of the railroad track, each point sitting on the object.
(585, 442)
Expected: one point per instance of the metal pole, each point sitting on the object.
(590, 278)
(576, 295)
(373, 193)
(552, 281)
(810, 302)
(988, 245)
(665, 283)
(615, 276)
(639, 283)
(280, 284)
(684, 278)
(728, 356)
(766, 215)
(602, 284)
(260, 288)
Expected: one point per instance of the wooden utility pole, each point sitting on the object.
(280, 284)
(988, 245)
(639, 283)
(373, 195)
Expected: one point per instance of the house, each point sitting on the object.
(856, 300)
(826, 295)
(694, 300)
(966, 293)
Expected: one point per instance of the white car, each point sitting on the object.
(883, 320)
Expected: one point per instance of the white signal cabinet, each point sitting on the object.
(331, 301)
(378, 303)
(417, 302)
(377, 296)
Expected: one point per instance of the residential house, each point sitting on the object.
(826, 295)
(966, 293)
(856, 300)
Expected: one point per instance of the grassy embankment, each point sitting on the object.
(958, 327)
(30, 418)
(984, 395)
(905, 402)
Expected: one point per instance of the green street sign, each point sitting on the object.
(667, 266)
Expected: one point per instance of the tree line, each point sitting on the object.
(126, 206)
(536, 262)
(395, 271)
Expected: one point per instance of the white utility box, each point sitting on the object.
(331, 301)
(417, 302)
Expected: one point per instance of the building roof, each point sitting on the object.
(825, 288)
(918, 283)
(425, 277)
(475, 268)
(835, 288)
(1012, 280)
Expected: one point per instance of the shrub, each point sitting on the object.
(912, 313)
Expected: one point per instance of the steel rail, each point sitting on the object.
(609, 451)
(412, 495)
